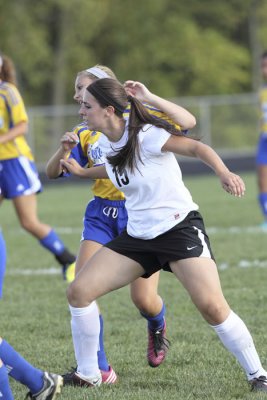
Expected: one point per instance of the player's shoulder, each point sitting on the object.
(10, 91)
(86, 135)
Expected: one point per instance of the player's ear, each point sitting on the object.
(110, 110)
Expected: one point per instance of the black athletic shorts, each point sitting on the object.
(187, 239)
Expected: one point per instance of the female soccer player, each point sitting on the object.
(42, 385)
(261, 158)
(18, 175)
(164, 229)
(106, 217)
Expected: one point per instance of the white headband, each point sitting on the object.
(97, 72)
(1, 61)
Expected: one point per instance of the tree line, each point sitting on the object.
(177, 48)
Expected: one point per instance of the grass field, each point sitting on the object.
(35, 318)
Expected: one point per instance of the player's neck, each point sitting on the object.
(115, 129)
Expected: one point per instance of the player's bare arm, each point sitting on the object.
(230, 182)
(176, 113)
(68, 141)
(74, 168)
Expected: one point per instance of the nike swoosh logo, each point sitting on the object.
(191, 248)
(95, 381)
(253, 373)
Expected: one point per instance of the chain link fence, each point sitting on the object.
(230, 123)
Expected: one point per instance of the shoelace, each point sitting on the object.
(159, 341)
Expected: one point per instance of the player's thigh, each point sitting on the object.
(200, 278)
(262, 177)
(87, 249)
(145, 287)
(104, 272)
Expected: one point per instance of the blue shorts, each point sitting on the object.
(104, 220)
(261, 155)
(18, 177)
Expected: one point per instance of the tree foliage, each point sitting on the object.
(178, 48)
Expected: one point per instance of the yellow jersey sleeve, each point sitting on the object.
(88, 152)
(12, 112)
(156, 113)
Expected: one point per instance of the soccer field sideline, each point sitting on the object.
(212, 230)
(56, 271)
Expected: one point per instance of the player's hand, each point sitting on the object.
(69, 140)
(72, 167)
(138, 90)
(232, 184)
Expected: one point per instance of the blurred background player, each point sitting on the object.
(19, 179)
(261, 158)
(42, 385)
(106, 217)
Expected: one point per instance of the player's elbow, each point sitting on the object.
(51, 173)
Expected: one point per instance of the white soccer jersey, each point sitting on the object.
(156, 197)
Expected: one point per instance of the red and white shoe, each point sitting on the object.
(109, 377)
(158, 346)
(73, 378)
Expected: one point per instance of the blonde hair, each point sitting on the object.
(8, 71)
(107, 70)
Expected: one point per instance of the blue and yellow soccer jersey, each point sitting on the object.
(263, 105)
(88, 152)
(12, 112)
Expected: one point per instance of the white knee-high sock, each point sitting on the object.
(237, 339)
(85, 328)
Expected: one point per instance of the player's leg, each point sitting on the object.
(144, 293)
(96, 232)
(87, 249)
(200, 278)
(5, 390)
(106, 271)
(26, 209)
(37, 381)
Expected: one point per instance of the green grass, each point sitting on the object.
(35, 317)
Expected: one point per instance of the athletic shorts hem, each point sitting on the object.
(187, 239)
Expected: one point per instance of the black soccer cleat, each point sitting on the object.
(65, 259)
(52, 386)
(259, 384)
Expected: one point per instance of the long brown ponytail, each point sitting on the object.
(111, 92)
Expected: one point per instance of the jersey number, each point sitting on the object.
(122, 179)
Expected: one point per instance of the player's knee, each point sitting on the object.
(77, 295)
(141, 301)
(215, 311)
(73, 294)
